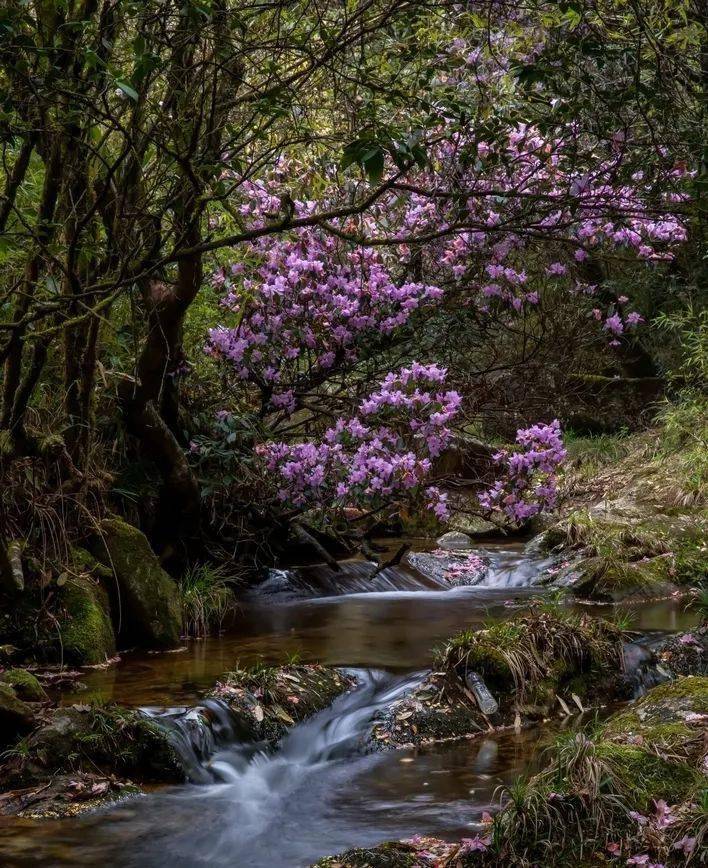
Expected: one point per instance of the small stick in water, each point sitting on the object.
(392, 561)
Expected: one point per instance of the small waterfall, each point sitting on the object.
(419, 571)
(354, 577)
(197, 733)
(213, 749)
(643, 670)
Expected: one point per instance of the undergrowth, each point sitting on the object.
(207, 597)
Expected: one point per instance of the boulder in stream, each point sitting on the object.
(267, 700)
(455, 541)
(541, 664)
(449, 568)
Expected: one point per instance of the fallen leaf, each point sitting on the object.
(576, 700)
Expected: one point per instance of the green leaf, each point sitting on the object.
(374, 165)
(127, 90)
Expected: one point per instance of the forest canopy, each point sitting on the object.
(274, 257)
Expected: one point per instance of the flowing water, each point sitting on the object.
(319, 791)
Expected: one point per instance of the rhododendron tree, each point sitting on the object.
(493, 233)
(528, 475)
(383, 452)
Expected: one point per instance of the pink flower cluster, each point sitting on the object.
(653, 825)
(378, 455)
(312, 305)
(616, 322)
(461, 568)
(529, 483)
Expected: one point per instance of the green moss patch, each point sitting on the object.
(537, 653)
(268, 700)
(86, 630)
(94, 738)
(24, 683)
(147, 601)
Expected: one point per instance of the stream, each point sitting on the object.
(318, 792)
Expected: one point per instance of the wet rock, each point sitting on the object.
(149, 600)
(416, 852)
(542, 664)
(65, 796)
(687, 653)
(455, 540)
(91, 738)
(25, 684)
(267, 701)
(449, 568)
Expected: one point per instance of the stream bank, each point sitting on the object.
(310, 784)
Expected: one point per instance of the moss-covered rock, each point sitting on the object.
(147, 603)
(16, 716)
(90, 738)
(267, 700)
(86, 630)
(543, 663)
(631, 529)
(25, 684)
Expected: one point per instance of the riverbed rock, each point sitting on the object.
(455, 541)
(539, 665)
(267, 700)
(94, 738)
(148, 601)
(449, 568)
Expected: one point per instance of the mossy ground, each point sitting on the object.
(91, 738)
(635, 523)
